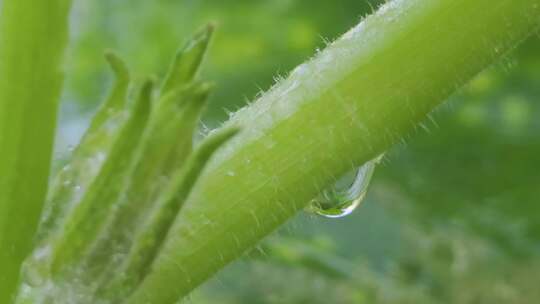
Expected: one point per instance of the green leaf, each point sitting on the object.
(81, 226)
(165, 146)
(188, 60)
(145, 155)
(88, 157)
(149, 239)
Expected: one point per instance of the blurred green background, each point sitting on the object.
(453, 216)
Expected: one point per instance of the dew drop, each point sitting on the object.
(346, 194)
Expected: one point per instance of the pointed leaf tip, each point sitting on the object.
(188, 60)
(117, 99)
(205, 34)
(118, 65)
(199, 40)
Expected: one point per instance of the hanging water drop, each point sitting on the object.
(346, 194)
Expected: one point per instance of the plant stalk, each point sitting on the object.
(350, 103)
(33, 35)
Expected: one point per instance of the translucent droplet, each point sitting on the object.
(346, 194)
(35, 271)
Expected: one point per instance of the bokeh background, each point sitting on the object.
(453, 216)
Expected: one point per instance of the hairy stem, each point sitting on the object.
(353, 101)
(33, 35)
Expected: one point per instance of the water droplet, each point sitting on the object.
(346, 194)
(35, 269)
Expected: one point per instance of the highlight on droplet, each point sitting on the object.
(346, 194)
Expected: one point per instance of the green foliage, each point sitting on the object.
(450, 218)
(446, 229)
(347, 105)
(32, 40)
(248, 51)
(111, 207)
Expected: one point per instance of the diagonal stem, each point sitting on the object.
(350, 103)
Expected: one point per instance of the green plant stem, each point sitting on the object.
(33, 35)
(350, 103)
